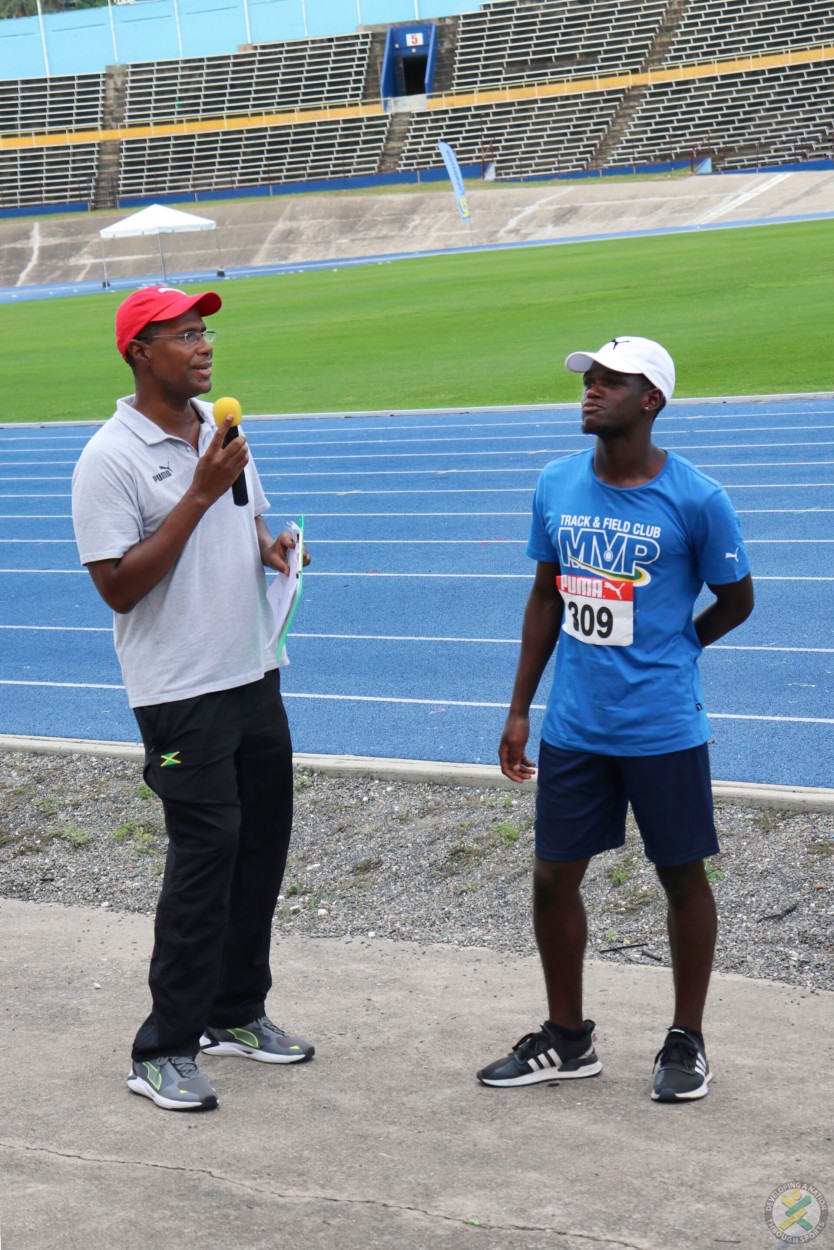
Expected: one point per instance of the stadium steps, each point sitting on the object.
(620, 124)
(655, 58)
(394, 143)
(106, 188)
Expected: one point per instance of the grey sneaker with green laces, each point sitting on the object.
(260, 1039)
(172, 1081)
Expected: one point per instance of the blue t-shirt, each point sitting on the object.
(632, 561)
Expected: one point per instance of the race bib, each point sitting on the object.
(598, 610)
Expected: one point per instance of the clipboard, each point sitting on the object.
(284, 591)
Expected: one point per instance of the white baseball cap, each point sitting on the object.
(630, 354)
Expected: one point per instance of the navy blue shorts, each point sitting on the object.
(582, 801)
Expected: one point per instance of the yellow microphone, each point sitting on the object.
(223, 408)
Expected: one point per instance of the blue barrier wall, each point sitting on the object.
(87, 41)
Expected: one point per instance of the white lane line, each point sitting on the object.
(549, 417)
(353, 473)
(370, 573)
(469, 455)
(547, 456)
(509, 642)
(581, 444)
(546, 431)
(460, 490)
(393, 516)
(382, 542)
(432, 542)
(60, 516)
(416, 638)
(64, 685)
(481, 577)
(503, 420)
(552, 452)
(729, 646)
(791, 720)
(63, 629)
(490, 576)
(531, 451)
(481, 472)
(765, 485)
(735, 201)
(752, 464)
(402, 701)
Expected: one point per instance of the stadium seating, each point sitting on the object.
(60, 175)
(725, 28)
(501, 76)
(772, 116)
(510, 43)
(42, 104)
(49, 175)
(528, 137)
(270, 77)
(253, 157)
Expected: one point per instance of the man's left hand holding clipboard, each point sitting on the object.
(285, 589)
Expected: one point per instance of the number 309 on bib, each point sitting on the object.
(598, 610)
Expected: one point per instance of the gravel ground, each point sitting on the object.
(425, 863)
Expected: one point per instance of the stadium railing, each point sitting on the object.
(513, 43)
(542, 83)
(724, 28)
(777, 115)
(292, 75)
(34, 176)
(529, 138)
(347, 147)
(36, 105)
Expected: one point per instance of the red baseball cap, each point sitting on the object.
(158, 303)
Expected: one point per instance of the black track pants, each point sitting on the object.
(222, 765)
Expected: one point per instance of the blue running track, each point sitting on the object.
(406, 640)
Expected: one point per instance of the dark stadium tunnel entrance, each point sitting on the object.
(409, 63)
(411, 75)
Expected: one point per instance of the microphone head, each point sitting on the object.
(227, 407)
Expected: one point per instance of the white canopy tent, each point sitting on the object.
(158, 220)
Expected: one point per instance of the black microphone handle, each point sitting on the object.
(239, 492)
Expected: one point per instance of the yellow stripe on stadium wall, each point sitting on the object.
(625, 82)
(452, 100)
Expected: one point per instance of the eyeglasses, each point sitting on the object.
(191, 337)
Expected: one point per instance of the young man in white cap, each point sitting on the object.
(625, 535)
(182, 566)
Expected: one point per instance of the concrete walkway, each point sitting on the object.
(386, 1140)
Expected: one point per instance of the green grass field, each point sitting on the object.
(745, 311)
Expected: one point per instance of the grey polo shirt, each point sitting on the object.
(207, 625)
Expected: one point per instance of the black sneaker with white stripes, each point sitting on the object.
(545, 1056)
(680, 1067)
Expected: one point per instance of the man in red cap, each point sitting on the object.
(182, 567)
